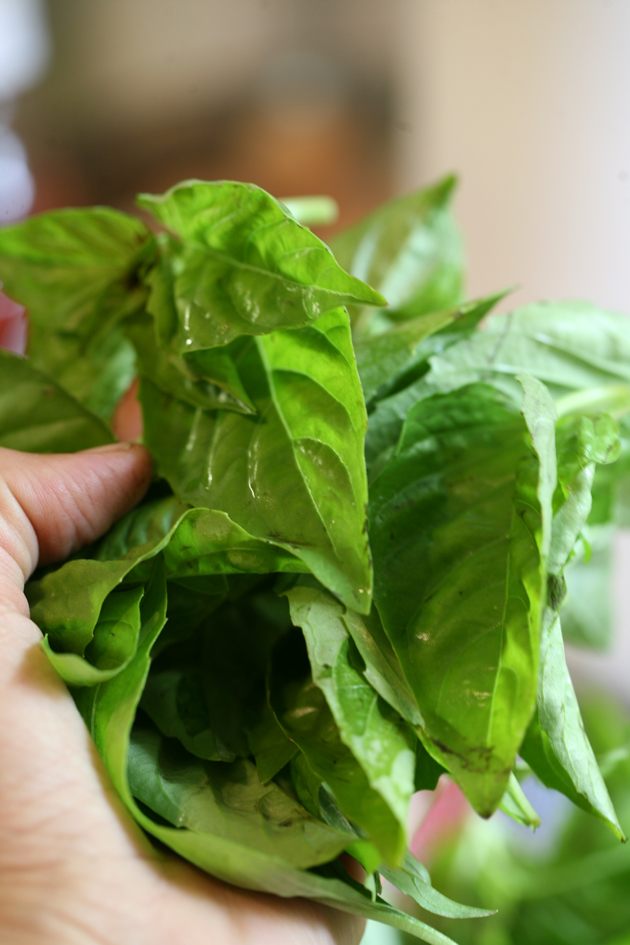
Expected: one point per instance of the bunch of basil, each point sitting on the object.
(349, 576)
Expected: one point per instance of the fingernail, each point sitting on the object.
(119, 447)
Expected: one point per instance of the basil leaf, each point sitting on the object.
(60, 264)
(96, 368)
(382, 667)
(209, 691)
(382, 357)
(570, 346)
(226, 801)
(467, 495)
(408, 249)
(396, 357)
(77, 273)
(227, 853)
(516, 805)
(270, 746)
(38, 416)
(293, 474)
(246, 266)
(379, 741)
(586, 614)
(556, 746)
(206, 378)
(413, 880)
(190, 542)
(112, 646)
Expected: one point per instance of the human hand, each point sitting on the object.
(74, 869)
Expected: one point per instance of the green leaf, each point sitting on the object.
(303, 713)
(397, 356)
(379, 741)
(395, 399)
(413, 879)
(191, 542)
(60, 264)
(460, 525)
(113, 644)
(556, 746)
(381, 665)
(516, 805)
(227, 853)
(38, 416)
(97, 368)
(381, 358)
(269, 745)
(246, 266)
(226, 801)
(209, 691)
(77, 272)
(570, 346)
(409, 250)
(293, 474)
(587, 613)
(206, 379)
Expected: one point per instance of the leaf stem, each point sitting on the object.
(613, 399)
(312, 211)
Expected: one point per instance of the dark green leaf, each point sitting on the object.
(269, 745)
(209, 693)
(382, 357)
(382, 667)
(395, 358)
(191, 542)
(460, 524)
(307, 720)
(96, 368)
(227, 852)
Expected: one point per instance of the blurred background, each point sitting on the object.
(360, 99)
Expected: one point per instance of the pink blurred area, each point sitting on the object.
(435, 817)
(12, 325)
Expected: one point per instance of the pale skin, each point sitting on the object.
(74, 870)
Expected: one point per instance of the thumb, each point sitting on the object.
(54, 504)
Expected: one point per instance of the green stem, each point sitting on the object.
(613, 399)
(312, 211)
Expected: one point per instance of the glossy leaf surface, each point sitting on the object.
(246, 266)
(460, 533)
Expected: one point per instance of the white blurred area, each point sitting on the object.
(530, 104)
(23, 56)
